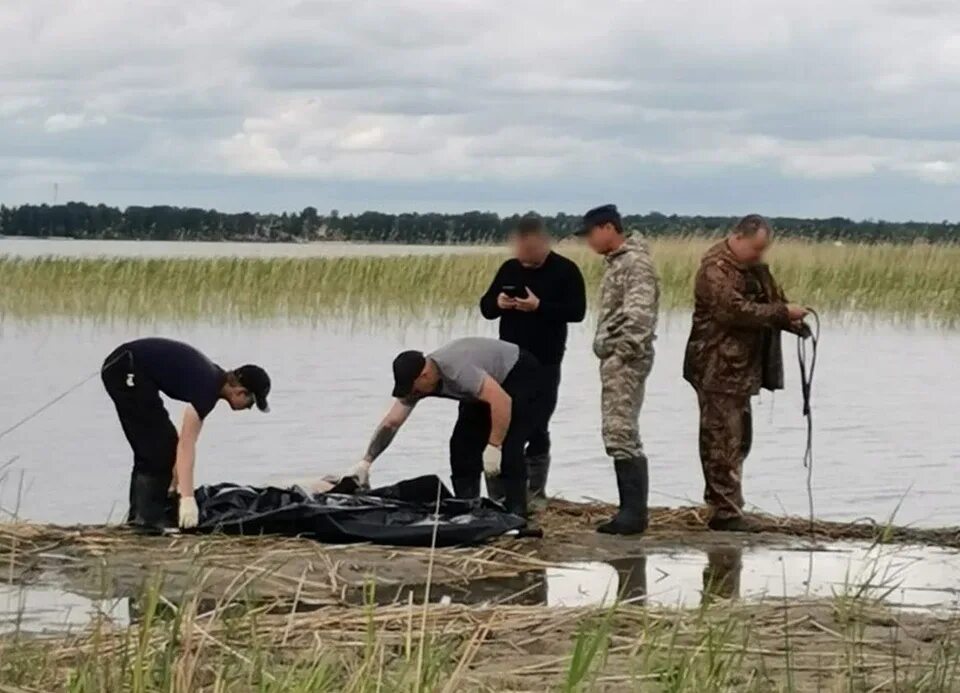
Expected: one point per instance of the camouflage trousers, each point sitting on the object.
(721, 576)
(726, 434)
(621, 398)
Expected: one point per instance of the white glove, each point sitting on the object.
(189, 514)
(361, 472)
(491, 460)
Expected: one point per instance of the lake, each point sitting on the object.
(886, 399)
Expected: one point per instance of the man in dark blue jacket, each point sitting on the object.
(135, 374)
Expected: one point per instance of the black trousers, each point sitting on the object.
(472, 430)
(539, 442)
(147, 427)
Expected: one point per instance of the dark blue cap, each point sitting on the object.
(604, 214)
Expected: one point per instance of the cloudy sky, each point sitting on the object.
(787, 107)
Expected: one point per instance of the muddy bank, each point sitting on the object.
(679, 609)
(109, 561)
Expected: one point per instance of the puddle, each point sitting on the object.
(41, 610)
(907, 577)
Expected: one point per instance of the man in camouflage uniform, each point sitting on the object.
(732, 352)
(629, 297)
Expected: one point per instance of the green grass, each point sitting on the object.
(781, 645)
(910, 282)
(180, 642)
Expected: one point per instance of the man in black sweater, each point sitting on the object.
(535, 295)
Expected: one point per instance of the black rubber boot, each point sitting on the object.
(538, 468)
(633, 486)
(732, 524)
(516, 504)
(466, 486)
(494, 488)
(148, 502)
(515, 496)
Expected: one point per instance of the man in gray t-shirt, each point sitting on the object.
(462, 365)
(498, 388)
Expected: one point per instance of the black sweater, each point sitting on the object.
(558, 284)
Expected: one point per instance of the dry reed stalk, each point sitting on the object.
(286, 565)
(489, 637)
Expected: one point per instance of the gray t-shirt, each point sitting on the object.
(464, 362)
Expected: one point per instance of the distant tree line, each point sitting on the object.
(81, 220)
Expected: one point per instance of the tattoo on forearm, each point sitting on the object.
(381, 440)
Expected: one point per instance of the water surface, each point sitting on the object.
(65, 247)
(886, 403)
(905, 577)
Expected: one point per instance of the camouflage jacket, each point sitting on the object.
(738, 310)
(629, 298)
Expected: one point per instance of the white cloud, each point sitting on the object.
(251, 153)
(534, 92)
(60, 122)
(18, 104)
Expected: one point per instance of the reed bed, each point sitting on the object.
(302, 635)
(910, 282)
(270, 567)
(564, 517)
(848, 643)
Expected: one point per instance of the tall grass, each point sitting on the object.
(801, 646)
(919, 281)
(180, 641)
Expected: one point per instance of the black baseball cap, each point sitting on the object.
(256, 380)
(604, 214)
(407, 367)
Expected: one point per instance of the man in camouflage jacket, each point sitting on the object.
(734, 343)
(629, 297)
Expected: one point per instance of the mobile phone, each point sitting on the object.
(514, 291)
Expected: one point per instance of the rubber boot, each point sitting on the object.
(633, 486)
(515, 496)
(466, 486)
(148, 502)
(538, 467)
(516, 504)
(494, 488)
(732, 524)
